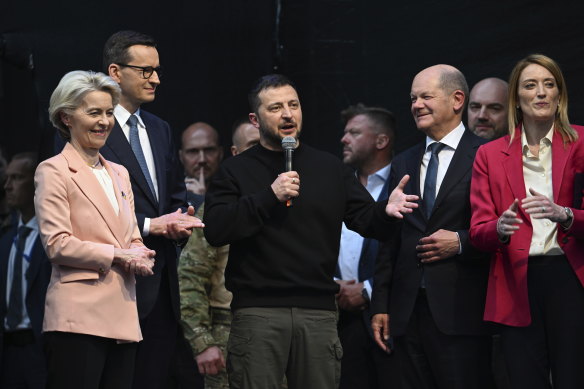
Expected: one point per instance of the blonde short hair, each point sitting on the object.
(71, 91)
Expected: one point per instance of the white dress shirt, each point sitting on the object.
(537, 174)
(28, 246)
(122, 115)
(451, 141)
(351, 242)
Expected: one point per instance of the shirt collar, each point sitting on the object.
(547, 139)
(32, 223)
(122, 115)
(452, 139)
(382, 173)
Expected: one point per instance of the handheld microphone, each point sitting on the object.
(288, 144)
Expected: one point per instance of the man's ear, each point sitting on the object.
(254, 120)
(114, 72)
(382, 141)
(458, 99)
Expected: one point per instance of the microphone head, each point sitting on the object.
(288, 143)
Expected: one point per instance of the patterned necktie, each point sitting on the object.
(137, 149)
(431, 173)
(16, 302)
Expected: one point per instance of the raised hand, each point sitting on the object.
(400, 203)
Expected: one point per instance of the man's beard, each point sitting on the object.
(273, 139)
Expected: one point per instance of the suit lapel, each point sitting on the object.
(92, 189)
(413, 165)
(36, 254)
(120, 146)
(513, 166)
(560, 154)
(5, 247)
(157, 152)
(124, 213)
(460, 165)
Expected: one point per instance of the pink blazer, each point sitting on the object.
(496, 181)
(79, 230)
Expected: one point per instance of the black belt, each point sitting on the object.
(19, 337)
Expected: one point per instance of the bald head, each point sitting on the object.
(200, 152)
(487, 108)
(438, 96)
(245, 136)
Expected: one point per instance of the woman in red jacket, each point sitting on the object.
(526, 199)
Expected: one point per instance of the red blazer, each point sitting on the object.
(497, 180)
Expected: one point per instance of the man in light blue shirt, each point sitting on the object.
(368, 147)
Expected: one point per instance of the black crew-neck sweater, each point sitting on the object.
(286, 256)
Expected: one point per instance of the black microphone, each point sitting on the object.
(288, 144)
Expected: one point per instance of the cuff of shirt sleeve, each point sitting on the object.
(146, 229)
(459, 244)
(368, 287)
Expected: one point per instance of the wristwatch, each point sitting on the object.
(570, 215)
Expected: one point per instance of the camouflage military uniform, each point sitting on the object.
(205, 314)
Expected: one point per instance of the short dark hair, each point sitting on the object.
(266, 82)
(31, 157)
(383, 119)
(117, 45)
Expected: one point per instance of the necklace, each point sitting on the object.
(94, 165)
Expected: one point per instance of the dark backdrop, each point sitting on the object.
(337, 52)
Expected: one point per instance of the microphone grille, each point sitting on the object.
(288, 142)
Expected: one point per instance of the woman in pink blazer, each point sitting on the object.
(84, 205)
(526, 199)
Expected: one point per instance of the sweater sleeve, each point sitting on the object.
(363, 214)
(231, 216)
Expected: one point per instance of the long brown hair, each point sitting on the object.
(561, 122)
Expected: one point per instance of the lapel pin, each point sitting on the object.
(123, 195)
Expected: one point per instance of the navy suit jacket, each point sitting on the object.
(456, 287)
(171, 196)
(37, 278)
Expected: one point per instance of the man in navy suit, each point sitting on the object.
(142, 142)
(368, 147)
(24, 276)
(430, 286)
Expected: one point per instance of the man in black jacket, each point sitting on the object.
(430, 280)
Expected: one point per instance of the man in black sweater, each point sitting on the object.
(282, 258)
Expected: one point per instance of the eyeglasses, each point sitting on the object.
(147, 71)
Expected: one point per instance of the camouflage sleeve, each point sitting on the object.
(195, 268)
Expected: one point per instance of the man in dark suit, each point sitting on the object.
(368, 147)
(24, 276)
(430, 281)
(143, 143)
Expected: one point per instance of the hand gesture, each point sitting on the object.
(508, 222)
(286, 186)
(137, 259)
(400, 203)
(541, 207)
(440, 245)
(176, 225)
(195, 185)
